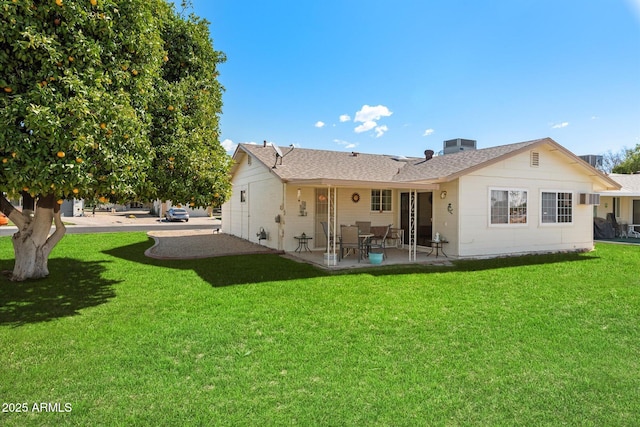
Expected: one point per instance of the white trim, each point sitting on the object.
(556, 223)
(508, 224)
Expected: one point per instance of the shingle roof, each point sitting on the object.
(299, 164)
(450, 166)
(630, 184)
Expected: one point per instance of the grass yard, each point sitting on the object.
(119, 339)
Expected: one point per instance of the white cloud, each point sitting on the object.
(228, 145)
(319, 124)
(380, 130)
(345, 118)
(428, 132)
(368, 113)
(560, 125)
(369, 117)
(365, 126)
(345, 143)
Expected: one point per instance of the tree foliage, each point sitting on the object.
(630, 162)
(109, 99)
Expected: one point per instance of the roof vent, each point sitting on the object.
(354, 154)
(428, 154)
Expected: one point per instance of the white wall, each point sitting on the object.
(478, 238)
(262, 204)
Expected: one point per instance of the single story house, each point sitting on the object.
(624, 204)
(527, 197)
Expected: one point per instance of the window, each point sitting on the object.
(381, 200)
(557, 207)
(508, 207)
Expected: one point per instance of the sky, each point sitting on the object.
(401, 77)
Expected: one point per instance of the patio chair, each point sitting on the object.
(364, 226)
(349, 239)
(633, 233)
(380, 242)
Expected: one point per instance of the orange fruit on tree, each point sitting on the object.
(93, 2)
(102, 199)
(60, 154)
(8, 89)
(59, 3)
(25, 189)
(103, 125)
(5, 160)
(75, 191)
(134, 72)
(78, 160)
(170, 108)
(60, 201)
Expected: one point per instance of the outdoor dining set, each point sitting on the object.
(364, 239)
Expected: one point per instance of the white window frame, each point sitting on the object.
(508, 223)
(380, 201)
(556, 222)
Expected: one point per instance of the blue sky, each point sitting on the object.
(401, 77)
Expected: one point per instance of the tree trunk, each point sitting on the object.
(32, 243)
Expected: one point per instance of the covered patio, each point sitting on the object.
(395, 256)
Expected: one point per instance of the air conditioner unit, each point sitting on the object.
(589, 199)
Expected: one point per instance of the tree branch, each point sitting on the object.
(12, 213)
(57, 235)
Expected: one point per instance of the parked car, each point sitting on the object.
(177, 214)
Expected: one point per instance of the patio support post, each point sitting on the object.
(335, 221)
(413, 229)
(331, 226)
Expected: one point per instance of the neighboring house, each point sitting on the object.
(517, 198)
(623, 204)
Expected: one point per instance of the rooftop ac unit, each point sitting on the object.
(458, 144)
(589, 199)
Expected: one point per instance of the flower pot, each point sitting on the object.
(375, 258)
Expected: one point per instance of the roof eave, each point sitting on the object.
(346, 183)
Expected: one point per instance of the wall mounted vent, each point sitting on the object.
(535, 159)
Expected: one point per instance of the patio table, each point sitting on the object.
(437, 245)
(364, 243)
(303, 243)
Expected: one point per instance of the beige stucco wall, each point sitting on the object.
(479, 238)
(264, 198)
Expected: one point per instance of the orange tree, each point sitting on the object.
(103, 99)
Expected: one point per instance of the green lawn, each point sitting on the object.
(261, 340)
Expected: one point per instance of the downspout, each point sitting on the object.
(283, 210)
